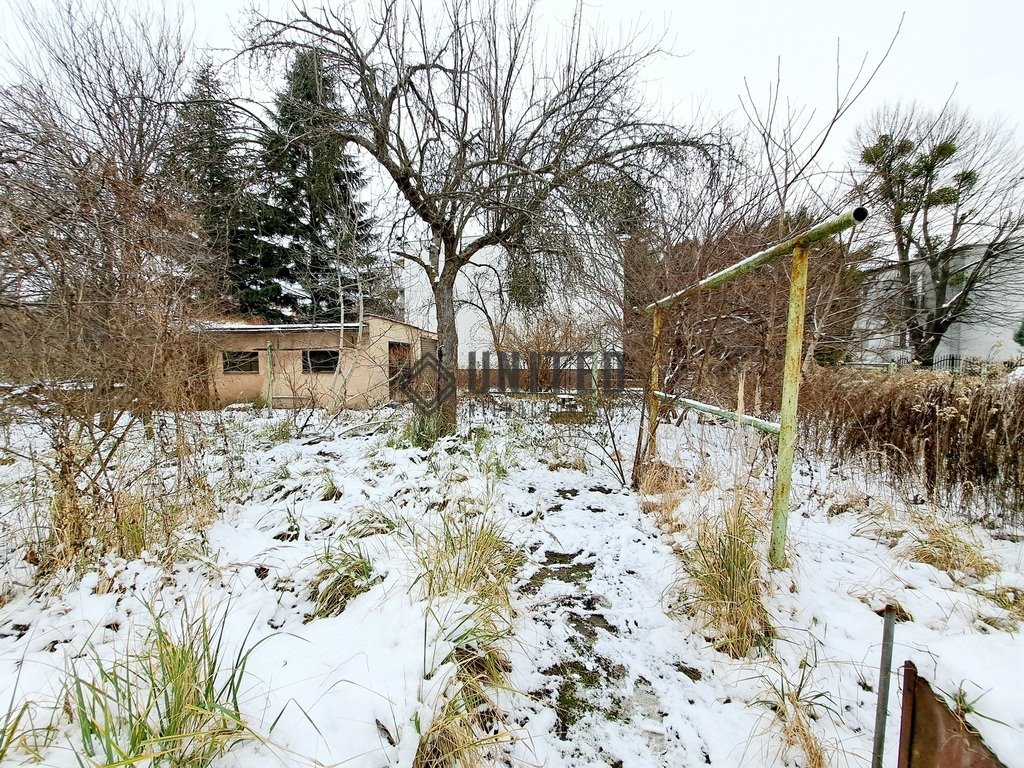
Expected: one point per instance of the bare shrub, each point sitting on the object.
(99, 270)
(959, 437)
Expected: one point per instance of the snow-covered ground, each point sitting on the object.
(604, 667)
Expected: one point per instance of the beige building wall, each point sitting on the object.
(361, 380)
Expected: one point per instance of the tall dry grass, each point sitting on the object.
(960, 438)
(467, 557)
(723, 582)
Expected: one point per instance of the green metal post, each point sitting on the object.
(790, 395)
(654, 384)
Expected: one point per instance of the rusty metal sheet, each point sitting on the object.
(932, 735)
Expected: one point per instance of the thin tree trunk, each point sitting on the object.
(447, 346)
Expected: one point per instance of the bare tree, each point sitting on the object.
(950, 194)
(98, 259)
(486, 130)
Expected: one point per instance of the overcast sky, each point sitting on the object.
(970, 52)
(973, 51)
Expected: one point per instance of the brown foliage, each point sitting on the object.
(960, 437)
(741, 324)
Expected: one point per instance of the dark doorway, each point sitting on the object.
(399, 363)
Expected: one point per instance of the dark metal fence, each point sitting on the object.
(957, 364)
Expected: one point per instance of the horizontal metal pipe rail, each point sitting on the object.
(750, 421)
(804, 239)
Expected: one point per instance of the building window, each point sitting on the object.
(320, 361)
(428, 348)
(241, 362)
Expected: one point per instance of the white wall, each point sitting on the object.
(991, 341)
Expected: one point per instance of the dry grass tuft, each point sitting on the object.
(798, 732)
(1010, 599)
(796, 707)
(346, 573)
(949, 546)
(453, 740)
(470, 724)
(662, 488)
(724, 575)
(469, 557)
(469, 554)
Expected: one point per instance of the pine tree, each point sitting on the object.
(313, 186)
(218, 169)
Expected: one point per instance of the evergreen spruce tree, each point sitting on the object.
(313, 183)
(218, 169)
(1019, 335)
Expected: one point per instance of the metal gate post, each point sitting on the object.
(884, 673)
(654, 385)
(790, 395)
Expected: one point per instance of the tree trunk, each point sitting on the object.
(925, 346)
(926, 338)
(447, 346)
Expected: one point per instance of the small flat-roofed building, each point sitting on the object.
(340, 365)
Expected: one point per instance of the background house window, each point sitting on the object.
(320, 361)
(241, 362)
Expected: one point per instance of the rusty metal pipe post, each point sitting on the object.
(790, 396)
(884, 673)
(654, 385)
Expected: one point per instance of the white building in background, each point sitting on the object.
(985, 333)
(990, 340)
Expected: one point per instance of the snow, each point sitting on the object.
(594, 621)
(278, 328)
